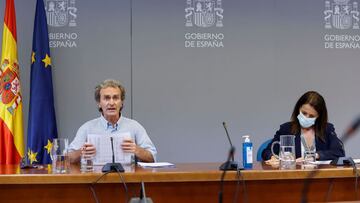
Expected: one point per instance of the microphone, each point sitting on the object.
(142, 198)
(341, 161)
(350, 131)
(227, 134)
(230, 164)
(227, 165)
(112, 167)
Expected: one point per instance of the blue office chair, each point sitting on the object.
(261, 149)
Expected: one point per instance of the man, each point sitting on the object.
(110, 96)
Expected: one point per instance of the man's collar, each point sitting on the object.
(106, 124)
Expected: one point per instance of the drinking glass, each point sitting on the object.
(309, 156)
(86, 161)
(59, 155)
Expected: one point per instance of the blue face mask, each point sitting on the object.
(304, 121)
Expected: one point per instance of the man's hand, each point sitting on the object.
(88, 150)
(129, 146)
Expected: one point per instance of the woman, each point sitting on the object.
(309, 124)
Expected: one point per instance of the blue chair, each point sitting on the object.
(261, 149)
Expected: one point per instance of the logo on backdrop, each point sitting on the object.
(61, 13)
(343, 16)
(204, 14)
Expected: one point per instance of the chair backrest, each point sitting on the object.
(261, 149)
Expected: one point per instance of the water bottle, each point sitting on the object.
(247, 152)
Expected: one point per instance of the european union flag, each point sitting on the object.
(42, 122)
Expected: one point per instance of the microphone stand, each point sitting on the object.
(112, 167)
(231, 154)
(230, 164)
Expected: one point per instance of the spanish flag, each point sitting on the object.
(11, 123)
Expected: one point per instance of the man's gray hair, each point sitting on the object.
(109, 83)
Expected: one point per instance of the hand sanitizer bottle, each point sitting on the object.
(247, 152)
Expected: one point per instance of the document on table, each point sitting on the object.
(156, 164)
(103, 148)
(356, 161)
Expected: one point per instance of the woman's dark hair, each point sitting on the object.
(316, 101)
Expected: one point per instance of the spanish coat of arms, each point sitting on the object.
(61, 13)
(341, 14)
(10, 85)
(203, 13)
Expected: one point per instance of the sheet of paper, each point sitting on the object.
(156, 164)
(321, 162)
(357, 161)
(103, 148)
